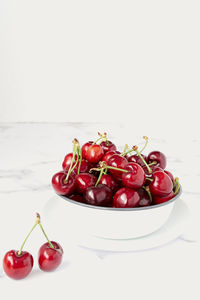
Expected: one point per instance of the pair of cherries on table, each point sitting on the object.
(18, 264)
(98, 174)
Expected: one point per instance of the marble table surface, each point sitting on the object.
(29, 154)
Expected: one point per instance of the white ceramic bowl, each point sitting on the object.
(115, 223)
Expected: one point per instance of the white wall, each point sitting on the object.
(135, 61)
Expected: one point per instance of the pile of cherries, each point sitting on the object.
(18, 264)
(98, 174)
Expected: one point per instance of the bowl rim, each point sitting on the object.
(120, 208)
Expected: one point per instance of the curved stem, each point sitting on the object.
(50, 244)
(147, 178)
(117, 169)
(80, 160)
(146, 142)
(100, 175)
(135, 148)
(153, 163)
(75, 146)
(176, 186)
(77, 152)
(22, 246)
(148, 192)
(127, 152)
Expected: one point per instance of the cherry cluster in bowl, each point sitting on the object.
(98, 174)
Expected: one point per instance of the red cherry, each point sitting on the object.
(59, 185)
(77, 197)
(84, 168)
(159, 199)
(67, 160)
(84, 181)
(109, 181)
(100, 195)
(159, 157)
(108, 155)
(50, 258)
(137, 159)
(17, 266)
(108, 146)
(170, 175)
(126, 197)
(161, 184)
(85, 147)
(94, 153)
(135, 178)
(145, 199)
(117, 161)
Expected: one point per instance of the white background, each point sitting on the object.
(133, 61)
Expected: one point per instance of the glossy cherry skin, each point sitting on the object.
(137, 159)
(60, 186)
(84, 168)
(117, 161)
(17, 266)
(159, 199)
(108, 154)
(145, 199)
(94, 153)
(85, 147)
(67, 160)
(135, 178)
(84, 181)
(161, 184)
(50, 258)
(77, 197)
(101, 195)
(108, 146)
(126, 197)
(159, 157)
(109, 181)
(170, 175)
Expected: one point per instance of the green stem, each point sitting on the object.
(73, 158)
(100, 175)
(118, 169)
(149, 193)
(176, 186)
(77, 152)
(153, 163)
(80, 160)
(50, 244)
(135, 148)
(147, 178)
(22, 246)
(146, 142)
(127, 152)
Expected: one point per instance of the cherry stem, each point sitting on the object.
(39, 222)
(117, 169)
(103, 170)
(103, 137)
(135, 148)
(148, 192)
(80, 160)
(126, 152)
(176, 186)
(22, 246)
(153, 163)
(147, 178)
(146, 142)
(100, 175)
(50, 244)
(75, 147)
